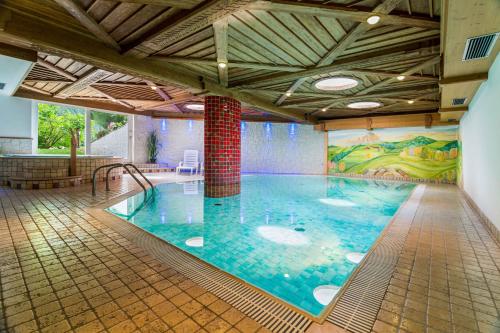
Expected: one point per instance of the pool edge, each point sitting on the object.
(99, 210)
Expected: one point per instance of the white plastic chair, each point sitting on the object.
(190, 162)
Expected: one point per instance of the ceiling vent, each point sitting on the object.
(2, 85)
(459, 101)
(479, 47)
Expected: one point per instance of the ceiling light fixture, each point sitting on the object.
(154, 87)
(336, 83)
(374, 19)
(288, 93)
(324, 109)
(401, 77)
(411, 101)
(195, 107)
(364, 105)
(222, 65)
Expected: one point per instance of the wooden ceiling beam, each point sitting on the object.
(111, 98)
(220, 37)
(341, 46)
(162, 94)
(464, 79)
(335, 98)
(56, 69)
(20, 29)
(455, 109)
(40, 91)
(174, 30)
(430, 62)
(74, 8)
(18, 52)
(182, 4)
(343, 12)
(392, 121)
(381, 73)
(236, 64)
(392, 55)
(48, 81)
(93, 104)
(85, 81)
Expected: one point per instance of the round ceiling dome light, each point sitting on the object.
(374, 19)
(364, 105)
(336, 83)
(195, 107)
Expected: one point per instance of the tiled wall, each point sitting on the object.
(15, 145)
(265, 148)
(282, 148)
(222, 146)
(176, 136)
(142, 126)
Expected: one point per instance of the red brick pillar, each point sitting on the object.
(222, 146)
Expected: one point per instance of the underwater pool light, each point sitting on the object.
(282, 235)
(337, 202)
(324, 294)
(195, 242)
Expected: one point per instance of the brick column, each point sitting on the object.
(222, 146)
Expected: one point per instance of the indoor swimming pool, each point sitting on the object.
(298, 238)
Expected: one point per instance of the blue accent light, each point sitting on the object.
(243, 126)
(292, 130)
(268, 128)
(163, 125)
(190, 125)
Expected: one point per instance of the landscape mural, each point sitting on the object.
(412, 152)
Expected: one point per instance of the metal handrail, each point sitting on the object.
(142, 175)
(95, 173)
(138, 182)
(126, 167)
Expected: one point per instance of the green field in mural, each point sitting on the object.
(410, 153)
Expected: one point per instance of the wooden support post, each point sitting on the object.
(74, 145)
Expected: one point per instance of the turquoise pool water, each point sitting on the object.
(298, 238)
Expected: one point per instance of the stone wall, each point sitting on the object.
(44, 168)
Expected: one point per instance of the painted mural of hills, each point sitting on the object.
(417, 157)
(415, 142)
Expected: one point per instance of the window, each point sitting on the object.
(108, 134)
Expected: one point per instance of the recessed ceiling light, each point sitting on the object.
(114, 100)
(324, 109)
(401, 77)
(336, 83)
(222, 65)
(364, 105)
(411, 101)
(374, 19)
(288, 93)
(195, 107)
(154, 87)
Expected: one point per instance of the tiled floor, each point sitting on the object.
(64, 270)
(448, 276)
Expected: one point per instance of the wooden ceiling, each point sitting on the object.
(155, 56)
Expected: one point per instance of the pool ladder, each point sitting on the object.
(126, 167)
